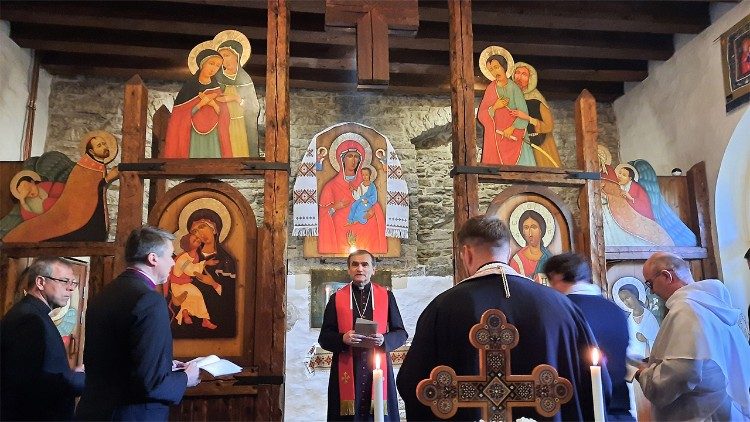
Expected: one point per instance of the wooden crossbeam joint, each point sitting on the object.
(372, 21)
(495, 390)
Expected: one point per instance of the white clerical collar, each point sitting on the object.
(498, 268)
(584, 288)
(495, 267)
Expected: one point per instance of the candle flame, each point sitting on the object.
(595, 356)
(377, 360)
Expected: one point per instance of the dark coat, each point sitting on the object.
(36, 381)
(128, 354)
(551, 331)
(610, 326)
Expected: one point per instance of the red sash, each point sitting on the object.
(346, 362)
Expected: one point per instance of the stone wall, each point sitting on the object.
(78, 105)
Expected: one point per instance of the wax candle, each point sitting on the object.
(328, 294)
(377, 388)
(596, 386)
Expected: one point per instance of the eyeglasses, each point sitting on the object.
(68, 283)
(650, 281)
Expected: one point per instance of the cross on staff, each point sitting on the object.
(495, 390)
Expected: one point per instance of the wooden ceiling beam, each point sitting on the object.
(589, 17)
(591, 46)
(567, 94)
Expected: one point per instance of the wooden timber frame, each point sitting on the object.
(215, 400)
(590, 242)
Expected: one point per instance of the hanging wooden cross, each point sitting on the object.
(495, 390)
(373, 19)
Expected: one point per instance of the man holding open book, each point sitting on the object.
(378, 330)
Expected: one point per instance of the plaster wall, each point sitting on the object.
(14, 96)
(676, 117)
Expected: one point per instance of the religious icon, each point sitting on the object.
(210, 290)
(644, 309)
(633, 208)
(62, 200)
(345, 200)
(215, 114)
(238, 91)
(201, 286)
(541, 123)
(506, 138)
(735, 57)
(538, 224)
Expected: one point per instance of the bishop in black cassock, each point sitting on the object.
(357, 300)
(551, 329)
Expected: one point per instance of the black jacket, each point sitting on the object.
(36, 382)
(128, 354)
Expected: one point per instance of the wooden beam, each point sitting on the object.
(341, 84)
(160, 121)
(646, 17)
(21, 250)
(593, 45)
(645, 252)
(700, 207)
(166, 168)
(134, 122)
(271, 288)
(590, 199)
(465, 186)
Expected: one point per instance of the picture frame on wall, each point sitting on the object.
(325, 282)
(735, 57)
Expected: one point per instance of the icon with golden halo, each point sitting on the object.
(503, 112)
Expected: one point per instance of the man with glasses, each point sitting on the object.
(37, 382)
(128, 355)
(699, 367)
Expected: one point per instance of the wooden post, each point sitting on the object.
(465, 187)
(271, 289)
(700, 207)
(129, 213)
(590, 197)
(157, 187)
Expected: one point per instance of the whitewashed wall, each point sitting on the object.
(14, 96)
(677, 118)
(306, 397)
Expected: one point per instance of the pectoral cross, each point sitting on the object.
(372, 20)
(494, 390)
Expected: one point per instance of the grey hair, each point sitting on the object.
(144, 241)
(42, 266)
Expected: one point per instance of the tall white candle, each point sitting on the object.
(328, 294)
(596, 386)
(377, 388)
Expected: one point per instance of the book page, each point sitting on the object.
(222, 367)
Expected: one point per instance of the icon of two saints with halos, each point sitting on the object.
(515, 116)
(215, 114)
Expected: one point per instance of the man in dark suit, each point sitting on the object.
(569, 274)
(37, 382)
(551, 329)
(131, 375)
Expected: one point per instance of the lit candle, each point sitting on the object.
(596, 386)
(377, 388)
(328, 294)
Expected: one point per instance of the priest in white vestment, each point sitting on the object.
(699, 367)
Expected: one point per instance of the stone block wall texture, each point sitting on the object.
(78, 105)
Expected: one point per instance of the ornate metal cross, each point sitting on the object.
(495, 390)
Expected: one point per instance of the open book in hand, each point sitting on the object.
(216, 366)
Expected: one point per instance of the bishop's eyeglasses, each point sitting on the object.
(68, 283)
